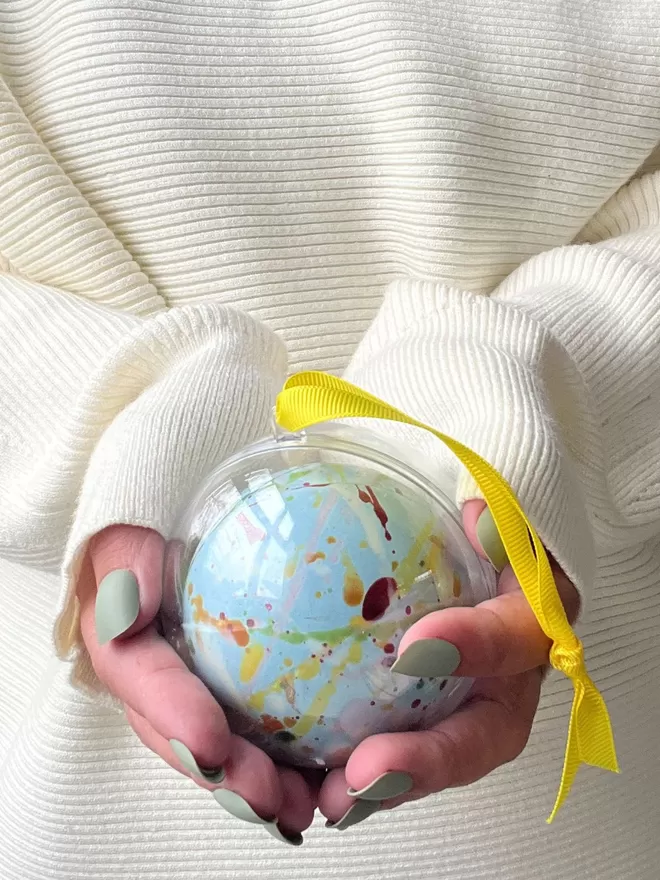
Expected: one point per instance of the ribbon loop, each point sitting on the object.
(311, 398)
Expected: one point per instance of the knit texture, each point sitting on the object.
(428, 198)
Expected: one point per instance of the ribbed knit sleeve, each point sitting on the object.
(555, 380)
(112, 405)
(114, 417)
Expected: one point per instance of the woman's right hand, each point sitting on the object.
(170, 710)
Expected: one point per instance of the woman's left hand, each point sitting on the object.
(499, 643)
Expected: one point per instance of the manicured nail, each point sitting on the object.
(428, 658)
(490, 540)
(389, 785)
(239, 807)
(187, 760)
(292, 839)
(358, 812)
(117, 605)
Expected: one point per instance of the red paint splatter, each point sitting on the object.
(249, 622)
(377, 598)
(369, 497)
(389, 648)
(372, 703)
(315, 485)
(269, 607)
(415, 704)
(408, 609)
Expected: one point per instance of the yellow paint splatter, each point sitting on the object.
(355, 653)
(364, 545)
(190, 588)
(252, 657)
(318, 594)
(291, 566)
(395, 565)
(309, 669)
(331, 539)
(457, 586)
(288, 661)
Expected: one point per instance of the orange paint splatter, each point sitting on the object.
(353, 590)
(189, 588)
(270, 724)
(289, 722)
(318, 594)
(332, 539)
(395, 565)
(233, 628)
(457, 586)
(313, 557)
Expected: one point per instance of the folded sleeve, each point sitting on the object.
(554, 379)
(110, 418)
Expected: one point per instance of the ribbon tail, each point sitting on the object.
(590, 738)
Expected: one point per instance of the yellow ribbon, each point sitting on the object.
(311, 398)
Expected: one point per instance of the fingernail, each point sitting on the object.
(428, 658)
(239, 807)
(117, 605)
(187, 760)
(358, 812)
(389, 785)
(291, 839)
(490, 540)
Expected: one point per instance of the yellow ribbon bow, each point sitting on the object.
(311, 398)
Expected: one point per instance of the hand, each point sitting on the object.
(501, 644)
(171, 710)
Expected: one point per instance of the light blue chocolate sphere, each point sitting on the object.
(295, 600)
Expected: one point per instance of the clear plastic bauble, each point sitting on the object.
(291, 578)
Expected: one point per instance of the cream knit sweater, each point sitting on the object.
(450, 202)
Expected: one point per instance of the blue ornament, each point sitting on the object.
(295, 600)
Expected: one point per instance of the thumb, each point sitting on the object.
(128, 569)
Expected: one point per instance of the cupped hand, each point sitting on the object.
(170, 710)
(499, 643)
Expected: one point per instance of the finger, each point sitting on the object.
(128, 568)
(491, 729)
(482, 534)
(145, 673)
(498, 637)
(249, 772)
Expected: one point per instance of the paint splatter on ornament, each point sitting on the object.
(296, 595)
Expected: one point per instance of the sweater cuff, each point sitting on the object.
(197, 385)
(494, 379)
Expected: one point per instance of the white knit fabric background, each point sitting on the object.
(429, 197)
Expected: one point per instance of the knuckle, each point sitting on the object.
(499, 644)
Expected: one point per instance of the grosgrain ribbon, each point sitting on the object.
(311, 398)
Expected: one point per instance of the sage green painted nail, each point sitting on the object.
(293, 840)
(490, 540)
(389, 785)
(187, 760)
(239, 807)
(358, 812)
(117, 605)
(428, 658)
